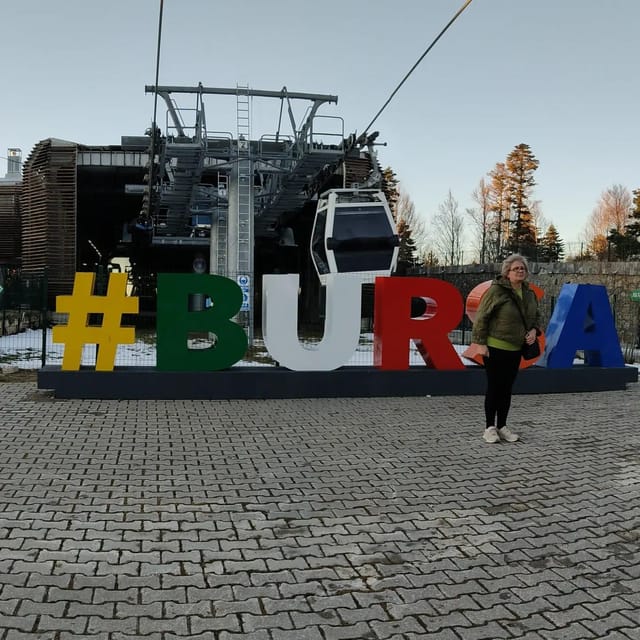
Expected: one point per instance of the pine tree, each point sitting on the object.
(633, 227)
(622, 246)
(551, 247)
(407, 249)
(520, 166)
(403, 212)
(390, 187)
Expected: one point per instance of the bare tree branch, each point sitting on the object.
(449, 228)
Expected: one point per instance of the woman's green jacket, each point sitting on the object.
(498, 315)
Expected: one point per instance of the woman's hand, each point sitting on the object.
(483, 350)
(530, 336)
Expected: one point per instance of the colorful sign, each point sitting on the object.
(582, 320)
(175, 323)
(108, 334)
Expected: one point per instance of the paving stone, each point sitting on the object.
(359, 631)
(54, 609)
(19, 623)
(309, 633)
(178, 626)
(313, 587)
(385, 629)
(614, 620)
(112, 625)
(374, 612)
(13, 634)
(263, 634)
(230, 623)
(318, 519)
(488, 631)
(77, 625)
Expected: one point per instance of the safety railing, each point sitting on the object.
(320, 137)
(218, 143)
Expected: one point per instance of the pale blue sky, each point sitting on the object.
(557, 75)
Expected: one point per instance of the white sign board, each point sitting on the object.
(244, 282)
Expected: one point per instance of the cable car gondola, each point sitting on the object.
(353, 232)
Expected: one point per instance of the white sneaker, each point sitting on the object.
(507, 435)
(491, 435)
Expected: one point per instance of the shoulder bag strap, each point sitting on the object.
(515, 300)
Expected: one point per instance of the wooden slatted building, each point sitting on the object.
(48, 212)
(74, 208)
(10, 222)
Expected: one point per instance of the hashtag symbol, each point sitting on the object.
(76, 333)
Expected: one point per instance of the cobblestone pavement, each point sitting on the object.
(325, 519)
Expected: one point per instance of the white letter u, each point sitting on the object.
(280, 322)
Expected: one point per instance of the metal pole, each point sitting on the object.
(44, 312)
(152, 148)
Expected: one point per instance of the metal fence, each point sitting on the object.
(23, 317)
(26, 329)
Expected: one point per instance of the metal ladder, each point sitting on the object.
(221, 213)
(245, 184)
(244, 272)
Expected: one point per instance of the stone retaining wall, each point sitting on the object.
(619, 278)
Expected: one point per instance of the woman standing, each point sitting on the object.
(507, 317)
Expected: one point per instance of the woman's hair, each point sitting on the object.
(508, 261)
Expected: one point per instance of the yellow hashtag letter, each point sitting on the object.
(107, 335)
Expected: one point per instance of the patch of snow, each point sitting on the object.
(23, 350)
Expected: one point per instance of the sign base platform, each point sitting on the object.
(252, 383)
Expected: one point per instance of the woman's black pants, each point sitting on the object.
(502, 368)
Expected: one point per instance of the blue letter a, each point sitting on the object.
(582, 320)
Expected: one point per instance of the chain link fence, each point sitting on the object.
(26, 322)
(23, 317)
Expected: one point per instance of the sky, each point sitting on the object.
(558, 75)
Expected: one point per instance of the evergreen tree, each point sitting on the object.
(390, 188)
(633, 227)
(622, 246)
(551, 247)
(407, 249)
(403, 212)
(520, 167)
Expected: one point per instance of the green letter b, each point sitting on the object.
(176, 322)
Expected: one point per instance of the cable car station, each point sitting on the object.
(192, 197)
